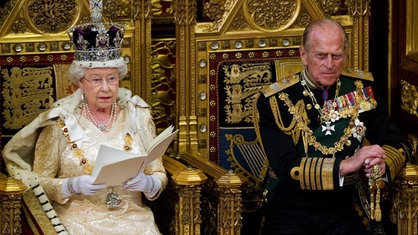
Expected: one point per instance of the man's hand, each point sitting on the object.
(367, 156)
(369, 163)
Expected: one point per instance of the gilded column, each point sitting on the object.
(405, 202)
(11, 196)
(189, 183)
(185, 18)
(360, 11)
(230, 204)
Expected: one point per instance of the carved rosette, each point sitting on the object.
(52, 16)
(273, 15)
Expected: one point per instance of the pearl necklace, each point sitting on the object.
(102, 127)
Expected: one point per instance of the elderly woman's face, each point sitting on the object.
(100, 87)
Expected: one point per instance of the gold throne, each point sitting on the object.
(199, 64)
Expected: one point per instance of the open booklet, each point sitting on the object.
(114, 166)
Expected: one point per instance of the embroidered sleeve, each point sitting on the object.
(47, 163)
(315, 173)
(395, 160)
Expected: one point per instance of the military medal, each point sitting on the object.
(328, 128)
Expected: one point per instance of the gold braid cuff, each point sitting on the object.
(315, 173)
(395, 159)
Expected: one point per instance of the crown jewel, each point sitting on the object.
(97, 41)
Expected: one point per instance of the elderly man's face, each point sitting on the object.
(100, 87)
(326, 55)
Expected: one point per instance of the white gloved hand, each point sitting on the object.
(149, 184)
(81, 185)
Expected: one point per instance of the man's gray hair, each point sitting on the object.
(307, 33)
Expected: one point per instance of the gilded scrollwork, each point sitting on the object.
(329, 6)
(26, 92)
(214, 10)
(19, 26)
(274, 15)
(218, 11)
(303, 19)
(52, 16)
(117, 8)
(409, 97)
(163, 83)
(240, 23)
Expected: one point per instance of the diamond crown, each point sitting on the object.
(97, 41)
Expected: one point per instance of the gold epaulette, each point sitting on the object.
(357, 73)
(280, 85)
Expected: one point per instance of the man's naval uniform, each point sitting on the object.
(305, 148)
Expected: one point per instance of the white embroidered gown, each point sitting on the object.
(55, 160)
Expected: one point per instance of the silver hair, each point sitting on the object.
(76, 72)
(307, 33)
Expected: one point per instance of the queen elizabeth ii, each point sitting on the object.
(54, 155)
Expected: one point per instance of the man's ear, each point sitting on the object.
(303, 55)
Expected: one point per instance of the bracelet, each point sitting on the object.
(70, 186)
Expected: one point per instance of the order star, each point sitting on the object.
(328, 128)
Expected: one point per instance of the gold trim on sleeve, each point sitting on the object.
(327, 174)
(315, 173)
(395, 159)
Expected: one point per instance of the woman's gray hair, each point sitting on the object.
(76, 72)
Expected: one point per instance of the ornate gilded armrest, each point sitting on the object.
(405, 200)
(221, 195)
(11, 196)
(177, 210)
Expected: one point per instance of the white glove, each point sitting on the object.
(149, 184)
(80, 185)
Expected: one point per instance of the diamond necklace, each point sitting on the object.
(101, 126)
